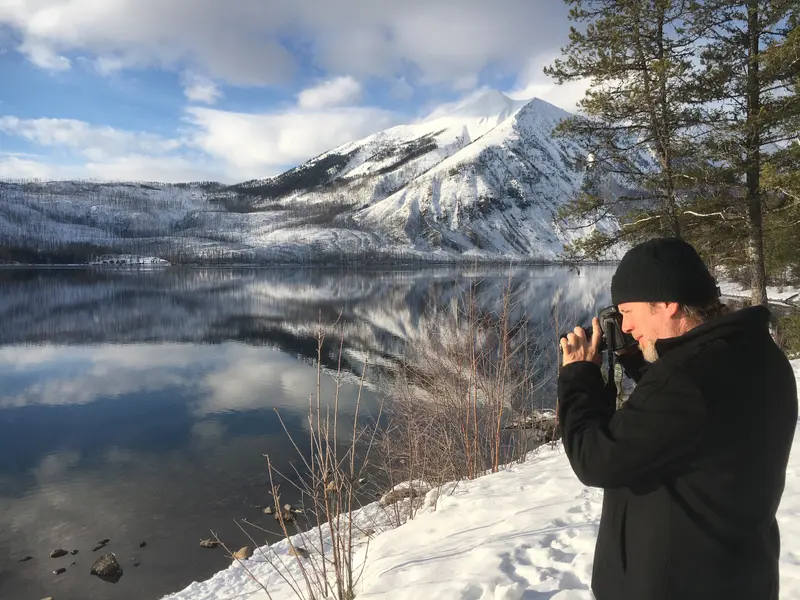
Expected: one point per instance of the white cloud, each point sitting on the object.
(200, 89)
(108, 65)
(441, 41)
(483, 102)
(335, 92)
(107, 154)
(259, 145)
(401, 89)
(218, 145)
(44, 57)
(92, 141)
(15, 167)
(135, 167)
(165, 169)
(532, 82)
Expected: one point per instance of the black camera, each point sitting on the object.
(612, 336)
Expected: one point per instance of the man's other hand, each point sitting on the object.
(575, 347)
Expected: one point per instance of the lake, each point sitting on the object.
(139, 405)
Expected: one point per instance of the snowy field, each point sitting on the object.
(527, 532)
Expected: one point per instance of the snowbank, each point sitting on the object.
(778, 295)
(529, 528)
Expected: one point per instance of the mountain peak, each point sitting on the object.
(487, 104)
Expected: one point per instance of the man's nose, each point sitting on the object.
(627, 326)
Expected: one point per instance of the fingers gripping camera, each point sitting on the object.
(612, 336)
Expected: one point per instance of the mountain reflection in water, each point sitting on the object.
(138, 405)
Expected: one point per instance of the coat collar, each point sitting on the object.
(751, 318)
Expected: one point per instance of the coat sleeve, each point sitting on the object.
(654, 433)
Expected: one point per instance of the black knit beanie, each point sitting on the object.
(663, 270)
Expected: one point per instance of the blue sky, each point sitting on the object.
(229, 90)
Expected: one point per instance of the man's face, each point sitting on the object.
(647, 322)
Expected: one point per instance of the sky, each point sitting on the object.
(232, 90)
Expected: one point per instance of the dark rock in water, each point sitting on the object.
(100, 547)
(142, 544)
(107, 568)
(72, 564)
(208, 543)
(106, 565)
(58, 553)
(59, 571)
(27, 558)
(74, 552)
(103, 542)
(136, 564)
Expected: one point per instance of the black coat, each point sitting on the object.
(693, 465)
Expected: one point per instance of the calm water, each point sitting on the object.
(137, 406)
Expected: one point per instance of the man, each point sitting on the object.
(694, 463)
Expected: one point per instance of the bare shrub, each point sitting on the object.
(461, 407)
(454, 407)
(324, 536)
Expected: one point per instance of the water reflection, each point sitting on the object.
(138, 405)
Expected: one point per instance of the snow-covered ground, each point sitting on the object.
(526, 532)
(779, 295)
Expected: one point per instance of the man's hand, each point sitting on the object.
(575, 347)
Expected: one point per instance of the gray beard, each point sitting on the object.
(650, 353)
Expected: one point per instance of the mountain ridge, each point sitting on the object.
(480, 179)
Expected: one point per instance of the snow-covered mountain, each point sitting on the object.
(480, 179)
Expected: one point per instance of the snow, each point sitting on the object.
(483, 105)
(779, 295)
(128, 259)
(497, 193)
(527, 531)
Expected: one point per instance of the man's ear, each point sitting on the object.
(672, 309)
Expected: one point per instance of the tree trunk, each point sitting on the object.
(672, 215)
(755, 247)
(671, 201)
(755, 243)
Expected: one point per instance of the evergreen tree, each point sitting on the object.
(748, 90)
(637, 117)
(781, 173)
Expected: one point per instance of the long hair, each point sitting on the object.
(706, 312)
